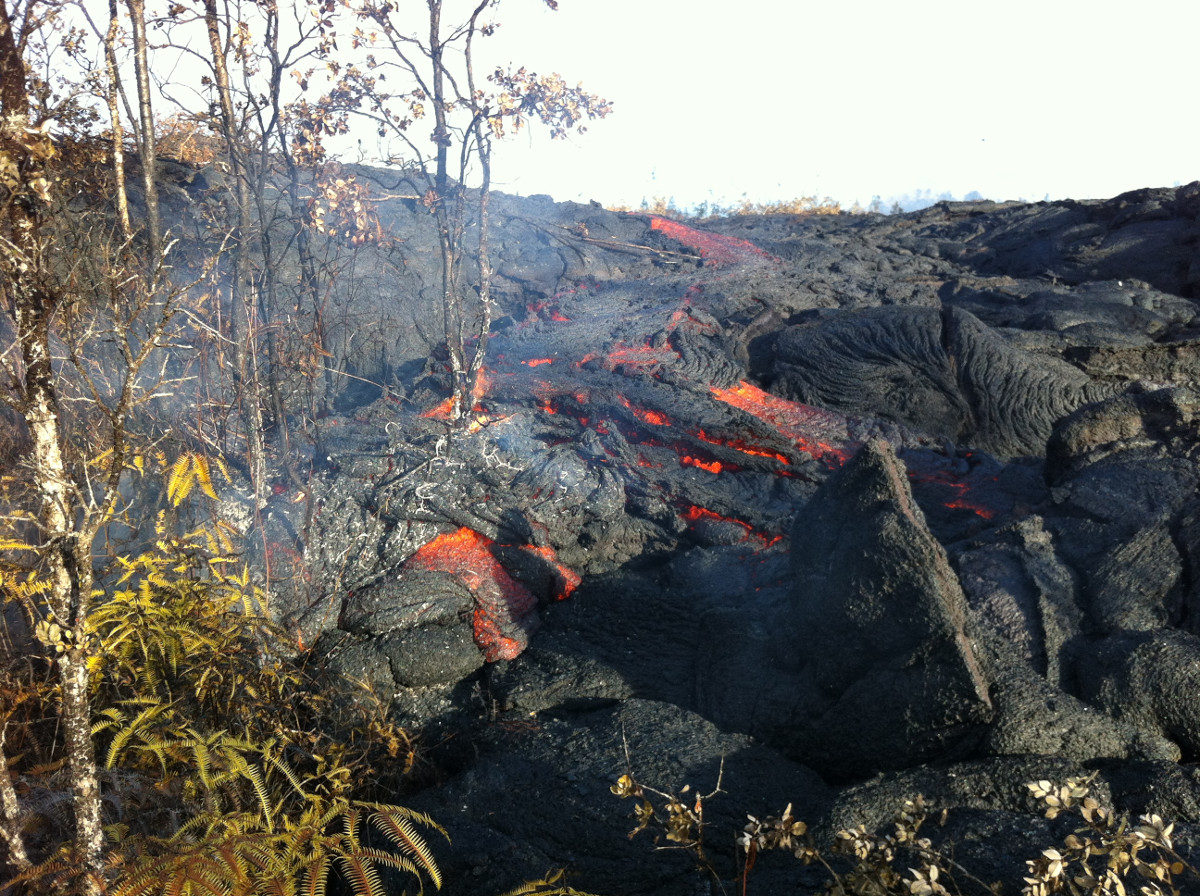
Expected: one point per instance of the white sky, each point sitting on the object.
(775, 99)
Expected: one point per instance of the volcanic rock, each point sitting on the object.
(1149, 679)
(887, 676)
(869, 505)
(1020, 590)
(538, 796)
(944, 373)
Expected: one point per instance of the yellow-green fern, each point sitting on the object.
(550, 885)
(240, 856)
(190, 470)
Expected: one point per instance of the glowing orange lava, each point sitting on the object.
(742, 446)
(960, 491)
(654, 418)
(501, 603)
(694, 514)
(443, 410)
(640, 357)
(711, 466)
(792, 419)
(565, 580)
(538, 362)
(551, 312)
(716, 249)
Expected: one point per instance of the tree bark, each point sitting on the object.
(114, 115)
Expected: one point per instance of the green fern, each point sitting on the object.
(190, 470)
(182, 627)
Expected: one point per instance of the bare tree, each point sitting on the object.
(32, 301)
(436, 61)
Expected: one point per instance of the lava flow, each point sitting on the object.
(793, 420)
(715, 248)
(951, 491)
(446, 407)
(504, 608)
(694, 515)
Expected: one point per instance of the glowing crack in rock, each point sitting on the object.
(694, 514)
(798, 422)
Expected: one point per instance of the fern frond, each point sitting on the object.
(363, 876)
(316, 876)
(398, 829)
(255, 776)
(352, 829)
(180, 480)
(220, 462)
(550, 885)
(203, 475)
(284, 768)
(136, 728)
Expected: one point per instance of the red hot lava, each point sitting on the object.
(443, 410)
(505, 610)
(694, 514)
(716, 249)
(794, 420)
(502, 605)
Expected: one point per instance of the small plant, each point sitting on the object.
(229, 767)
(550, 885)
(1108, 855)
(678, 818)
(901, 862)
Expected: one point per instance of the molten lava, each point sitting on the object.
(445, 408)
(565, 580)
(793, 420)
(503, 606)
(654, 418)
(742, 446)
(643, 358)
(694, 515)
(505, 610)
(952, 492)
(716, 249)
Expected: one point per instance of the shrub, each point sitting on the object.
(229, 767)
(1107, 856)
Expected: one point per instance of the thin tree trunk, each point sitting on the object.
(479, 129)
(147, 147)
(68, 577)
(10, 804)
(441, 133)
(242, 293)
(69, 580)
(114, 114)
